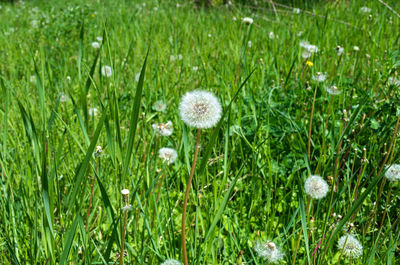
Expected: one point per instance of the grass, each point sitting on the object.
(279, 126)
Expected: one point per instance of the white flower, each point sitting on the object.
(95, 45)
(356, 48)
(68, 79)
(125, 192)
(350, 246)
(164, 129)
(99, 39)
(268, 251)
(316, 187)
(168, 155)
(319, 77)
(155, 8)
(93, 112)
(234, 18)
(32, 79)
(271, 35)
(195, 68)
(209, 35)
(159, 106)
(171, 262)
(137, 77)
(248, 20)
(339, 50)
(333, 90)
(309, 47)
(393, 172)
(249, 44)
(106, 71)
(296, 10)
(200, 109)
(63, 97)
(365, 9)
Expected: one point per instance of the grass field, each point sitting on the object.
(80, 122)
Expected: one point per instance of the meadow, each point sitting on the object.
(296, 162)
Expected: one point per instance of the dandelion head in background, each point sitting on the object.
(171, 262)
(159, 106)
(319, 77)
(269, 251)
(63, 97)
(365, 9)
(249, 44)
(316, 187)
(333, 90)
(200, 109)
(95, 45)
(271, 35)
(339, 50)
(393, 172)
(195, 68)
(248, 20)
(99, 39)
(356, 48)
(106, 71)
(92, 112)
(168, 155)
(164, 129)
(350, 246)
(308, 47)
(32, 79)
(305, 54)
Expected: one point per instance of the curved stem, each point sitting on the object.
(189, 183)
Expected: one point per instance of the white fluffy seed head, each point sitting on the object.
(159, 106)
(106, 71)
(248, 20)
(171, 262)
(164, 129)
(125, 192)
(95, 45)
(200, 109)
(333, 90)
(269, 251)
(168, 155)
(393, 172)
(319, 77)
(350, 246)
(316, 187)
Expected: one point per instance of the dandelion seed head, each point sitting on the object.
(159, 106)
(63, 97)
(106, 71)
(248, 20)
(296, 10)
(305, 54)
(271, 35)
(350, 246)
(249, 44)
(125, 192)
(393, 172)
(316, 187)
(92, 111)
(195, 68)
(95, 45)
(333, 90)
(99, 39)
(339, 50)
(365, 9)
(200, 109)
(171, 262)
(269, 251)
(319, 77)
(164, 129)
(356, 48)
(168, 155)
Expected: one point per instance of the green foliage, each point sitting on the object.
(56, 108)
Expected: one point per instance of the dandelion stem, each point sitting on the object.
(121, 254)
(189, 183)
